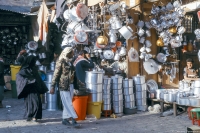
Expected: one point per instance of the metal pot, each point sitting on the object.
(52, 66)
(94, 88)
(197, 83)
(117, 79)
(140, 87)
(196, 91)
(106, 86)
(184, 101)
(107, 101)
(106, 107)
(129, 104)
(49, 77)
(116, 92)
(106, 91)
(43, 68)
(51, 102)
(95, 97)
(142, 101)
(142, 107)
(194, 101)
(118, 97)
(118, 109)
(108, 54)
(166, 97)
(158, 91)
(118, 103)
(116, 86)
(94, 77)
(106, 96)
(129, 98)
(139, 79)
(127, 83)
(127, 91)
(141, 94)
(106, 80)
(126, 32)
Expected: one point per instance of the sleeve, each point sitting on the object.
(56, 74)
(184, 72)
(1, 68)
(88, 65)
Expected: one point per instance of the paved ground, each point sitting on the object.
(11, 121)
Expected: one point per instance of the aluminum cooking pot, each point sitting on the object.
(102, 40)
(118, 97)
(139, 79)
(94, 88)
(117, 91)
(106, 96)
(106, 86)
(196, 83)
(118, 103)
(127, 83)
(141, 94)
(129, 104)
(141, 102)
(106, 107)
(106, 91)
(116, 86)
(127, 91)
(118, 109)
(49, 77)
(108, 54)
(129, 98)
(95, 97)
(94, 77)
(126, 32)
(117, 79)
(106, 80)
(107, 101)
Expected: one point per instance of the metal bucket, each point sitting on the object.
(142, 101)
(96, 97)
(129, 104)
(94, 77)
(117, 79)
(139, 79)
(94, 88)
(127, 83)
(140, 87)
(51, 102)
(117, 92)
(141, 94)
(128, 91)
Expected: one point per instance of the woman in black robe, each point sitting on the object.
(30, 86)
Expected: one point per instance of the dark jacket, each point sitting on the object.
(2, 82)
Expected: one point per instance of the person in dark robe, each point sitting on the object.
(2, 82)
(29, 86)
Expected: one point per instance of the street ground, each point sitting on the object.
(11, 121)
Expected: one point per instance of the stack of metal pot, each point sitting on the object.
(196, 87)
(141, 92)
(129, 98)
(51, 99)
(117, 94)
(94, 84)
(106, 94)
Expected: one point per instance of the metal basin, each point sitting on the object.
(129, 98)
(95, 97)
(94, 88)
(127, 83)
(141, 101)
(116, 86)
(128, 91)
(129, 104)
(106, 80)
(140, 87)
(106, 86)
(106, 91)
(106, 107)
(117, 79)
(117, 92)
(107, 101)
(94, 77)
(139, 79)
(141, 94)
(118, 103)
(118, 109)
(118, 97)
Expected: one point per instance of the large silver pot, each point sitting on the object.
(106, 80)
(117, 79)
(96, 97)
(118, 109)
(106, 86)
(51, 102)
(52, 66)
(158, 93)
(106, 96)
(106, 91)
(94, 77)
(117, 86)
(194, 101)
(140, 87)
(142, 101)
(142, 107)
(94, 88)
(127, 83)
(196, 91)
(129, 104)
(106, 107)
(42, 68)
(128, 91)
(184, 101)
(116, 92)
(118, 97)
(196, 84)
(129, 98)
(107, 101)
(49, 76)
(118, 103)
(141, 94)
(139, 79)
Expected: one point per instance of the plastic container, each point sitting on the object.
(14, 89)
(80, 106)
(14, 70)
(189, 113)
(94, 108)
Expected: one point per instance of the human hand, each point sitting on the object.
(87, 55)
(22, 52)
(52, 91)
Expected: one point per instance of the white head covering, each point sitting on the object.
(63, 55)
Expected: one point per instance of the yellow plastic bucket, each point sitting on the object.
(14, 71)
(94, 108)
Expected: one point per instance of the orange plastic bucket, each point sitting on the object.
(80, 106)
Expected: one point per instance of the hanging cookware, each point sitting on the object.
(126, 32)
(172, 30)
(80, 36)
(150, 66)
(108, 54)
(159, 42)
(32, 45)
(102, 40)
(139, 79)
(122, 51)
(152, 85)
(161, 57)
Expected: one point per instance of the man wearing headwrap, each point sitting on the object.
(189, 72)
(2, 82)
(29, 86)
(64, 76)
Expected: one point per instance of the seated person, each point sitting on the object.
(189, 72)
